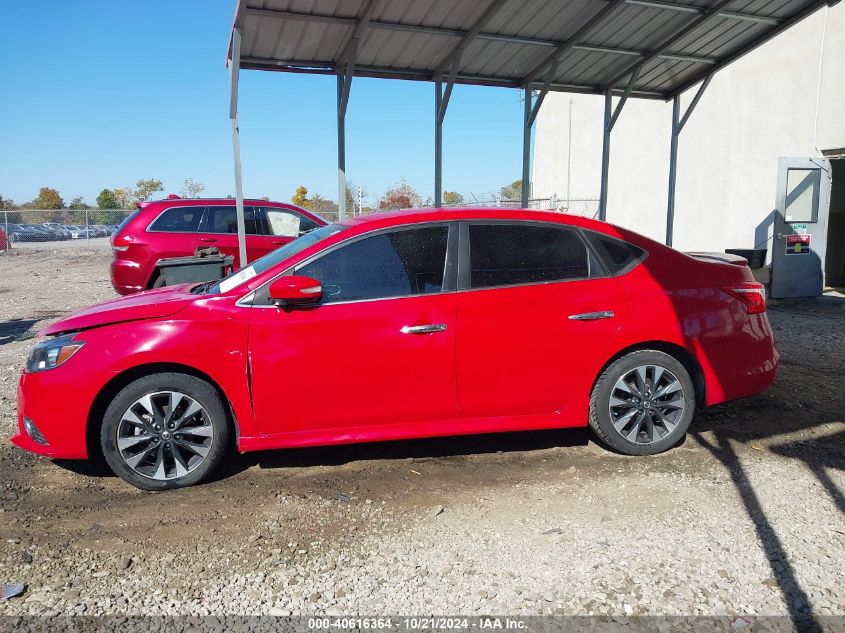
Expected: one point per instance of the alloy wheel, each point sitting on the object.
(164, 435)
(646, 404)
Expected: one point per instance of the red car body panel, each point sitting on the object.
(4, 240)
(510, 359)
(134, 269)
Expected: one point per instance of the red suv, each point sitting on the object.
(178, 226)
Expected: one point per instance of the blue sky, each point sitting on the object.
(99, 93)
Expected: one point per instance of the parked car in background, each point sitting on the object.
(20, 233)
(178, 226)
(43, 233)
(79, 232)
(396, 326)
(62, 231)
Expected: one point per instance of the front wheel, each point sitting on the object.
(165, 430)
(643, 403)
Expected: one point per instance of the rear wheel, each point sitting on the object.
(164, 431)
(643, 403)
(160, 281)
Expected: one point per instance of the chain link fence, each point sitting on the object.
(61, 228)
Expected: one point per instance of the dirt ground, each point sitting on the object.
(746, 516)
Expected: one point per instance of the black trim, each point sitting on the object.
(628, 267)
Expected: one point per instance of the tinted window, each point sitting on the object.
(395, 264)
(178, 219)
(616, 254)
(287, 223)
(507, 254)
(225, 220)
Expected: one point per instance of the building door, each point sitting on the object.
(800, 230)
(834, 267)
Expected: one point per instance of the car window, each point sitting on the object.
(393, 264)
(178, 219)
(616, 255)
(225, 220)
(508, 254)
(287, 223)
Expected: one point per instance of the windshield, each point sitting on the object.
(271, 259)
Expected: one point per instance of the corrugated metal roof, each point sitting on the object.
(564, 45)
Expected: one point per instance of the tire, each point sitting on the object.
(141, 438)
(160, 281)
(629, 416)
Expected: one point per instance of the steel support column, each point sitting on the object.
(344, 81)
(526, 148)
(234, 76)
(605, 154)
(438, 143)
(611, 115)
(678, 123)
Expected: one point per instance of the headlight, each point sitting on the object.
(52, 353)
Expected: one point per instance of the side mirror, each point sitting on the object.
(295, 290)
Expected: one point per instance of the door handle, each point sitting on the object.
(592, 316)
(423, 329)
(208, 239)
(277, 241)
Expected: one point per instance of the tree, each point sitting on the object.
(452, 198)
(77, 204)
(190, 188)
(512, 191)
(146, 188)
(6, 204)
(124, 197)
(300, 198)
(400, 196)
(48, 198)
(107, 200)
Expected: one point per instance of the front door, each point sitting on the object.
(800, 228)
(378, 351)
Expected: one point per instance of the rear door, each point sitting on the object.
(800, 229)
(220, 228)
(536, 317)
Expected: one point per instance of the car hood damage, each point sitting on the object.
(152, 304)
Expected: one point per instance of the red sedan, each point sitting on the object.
(402, 325)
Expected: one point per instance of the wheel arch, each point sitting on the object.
(154, 275)
(121, 380)
(678, 352)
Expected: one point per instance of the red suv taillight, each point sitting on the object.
(751, 293)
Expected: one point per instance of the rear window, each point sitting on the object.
(225, 220)
(510, 254)
(178, 220)
(618, 256)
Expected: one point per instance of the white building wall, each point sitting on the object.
(768, 104)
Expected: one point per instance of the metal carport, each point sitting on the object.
(648, 49)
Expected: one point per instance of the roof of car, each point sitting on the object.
(411, 216)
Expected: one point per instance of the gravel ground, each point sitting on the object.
(746, 517)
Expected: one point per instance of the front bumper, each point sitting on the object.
(55, 405)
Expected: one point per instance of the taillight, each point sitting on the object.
(751, 293)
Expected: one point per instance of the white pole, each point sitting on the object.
(87, 232)
(234, 73)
